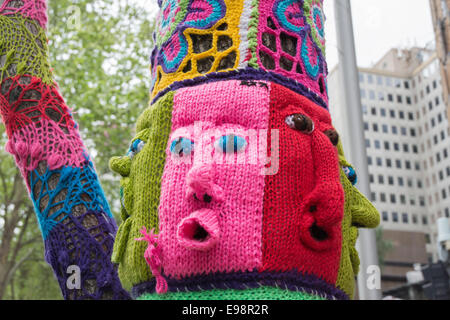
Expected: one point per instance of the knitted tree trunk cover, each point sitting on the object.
(235, 185)
(74, 217)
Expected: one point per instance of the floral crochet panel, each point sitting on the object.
(286, 43)
(33, 9)
(40, 125)
(23, 49)
(74, 187)
(205, 40)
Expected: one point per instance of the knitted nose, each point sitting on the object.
(200, 231)
(201, 186)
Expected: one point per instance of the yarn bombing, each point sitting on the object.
(236, 165)
(74, 217)
(235, 168)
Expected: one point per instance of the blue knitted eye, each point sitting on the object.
(135, 147)
(231, 144)
(182, 147)
(351, 175)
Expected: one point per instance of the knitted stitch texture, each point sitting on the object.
(198, 41)
(358, 213)
(249, 198)
(23, 48)
(261, 293)
(73, 215)
(33, 9)
(142, 170)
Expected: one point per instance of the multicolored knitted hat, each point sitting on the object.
(234, 186)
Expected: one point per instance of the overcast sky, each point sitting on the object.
(378, 24)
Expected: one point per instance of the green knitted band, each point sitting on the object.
(23, 49)
(141, 188)
(261, 293)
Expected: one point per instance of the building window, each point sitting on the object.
(415, 219)
(402, 199)
(403, 130)
(408, 165)
(394, 130)
(419, 184)
(399, 99)
(385, 128)
(381, 179)
(401, 182)
(379, 162)
(385, 216)
(393, 198)
(406, 148)
(375, 127)
(417, 166)
(389, 163)
(422, 201)
(387, 146)
(390, 97)
(391, 180)
(383, 112)
(367, 143)
(398, 164)
(405, 218)
(408, 100)
(361, 77)
(374, 111)
(380, 80)
(425, 220)
(412, 131)
(406, 83)
(395, 217)
(396, 146)
(382, 197)
(401, 115)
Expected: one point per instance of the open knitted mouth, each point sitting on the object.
(200, 234)
(200, 231)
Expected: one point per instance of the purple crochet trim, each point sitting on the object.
(71, 239)
(292, 280)
(246, 74)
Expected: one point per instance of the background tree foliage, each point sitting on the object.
(99, 51)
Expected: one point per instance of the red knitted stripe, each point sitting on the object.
(308, 174)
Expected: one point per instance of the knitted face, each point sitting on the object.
(358, 213)
(194, 172)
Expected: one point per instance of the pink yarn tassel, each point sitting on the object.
(153, 257)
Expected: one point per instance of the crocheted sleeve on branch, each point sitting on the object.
(76, 223)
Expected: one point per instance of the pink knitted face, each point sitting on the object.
(213, 187)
